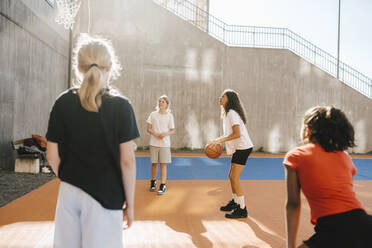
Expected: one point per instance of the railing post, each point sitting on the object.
(283, 33)
(254, 36)
(207, 28)
(224, 33)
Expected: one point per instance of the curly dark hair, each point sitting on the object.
(233, 102)
(330, 128)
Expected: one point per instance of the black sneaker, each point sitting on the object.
(153, 186)
(162, 189)
(229, 207)
(237, 213)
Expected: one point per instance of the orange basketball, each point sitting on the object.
(213, 152)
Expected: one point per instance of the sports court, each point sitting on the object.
(188, 214)
(178, 48)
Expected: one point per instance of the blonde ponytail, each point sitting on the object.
(95, 65)
(90, 89)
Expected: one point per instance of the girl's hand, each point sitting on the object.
(128, 217)
(156, 135)
(161, 135)
(213, 143)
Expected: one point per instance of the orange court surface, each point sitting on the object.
(187, 215)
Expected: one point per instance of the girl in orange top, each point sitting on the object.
(324, 172)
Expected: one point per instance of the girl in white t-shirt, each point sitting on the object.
(160, 125)
(239, 145)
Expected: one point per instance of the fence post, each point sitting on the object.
(254, 36)
(224, 33)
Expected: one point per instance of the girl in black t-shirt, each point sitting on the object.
(90, 149)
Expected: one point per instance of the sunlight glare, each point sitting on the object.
(193, 131)
(236, 234)
(210, 130)
(33, 234)
(155, 234)
(191, 65)
(209, 60)
(274, 139)
(360, 136)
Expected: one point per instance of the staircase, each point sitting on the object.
(268, 37)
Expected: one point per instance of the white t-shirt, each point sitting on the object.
(161, 123)
(244, 141)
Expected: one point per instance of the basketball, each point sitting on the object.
(213, 152)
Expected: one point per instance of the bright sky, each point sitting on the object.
(314, 20)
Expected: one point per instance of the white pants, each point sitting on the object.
(81, 221)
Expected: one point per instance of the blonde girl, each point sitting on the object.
(160, 125)
(90, 148)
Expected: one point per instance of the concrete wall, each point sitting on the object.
(277, 87)
(33, 67)
(162, 54)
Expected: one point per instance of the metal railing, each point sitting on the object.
(268, 37)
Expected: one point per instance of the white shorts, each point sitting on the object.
(160, 155)
(81, 221)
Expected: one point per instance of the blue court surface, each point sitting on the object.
(203, 168)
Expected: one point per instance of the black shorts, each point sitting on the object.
(344, 230)
(241, 156)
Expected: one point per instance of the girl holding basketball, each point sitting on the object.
(324, 171)
(238, 144)
(160, 125)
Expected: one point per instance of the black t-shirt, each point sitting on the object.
(89, 144)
